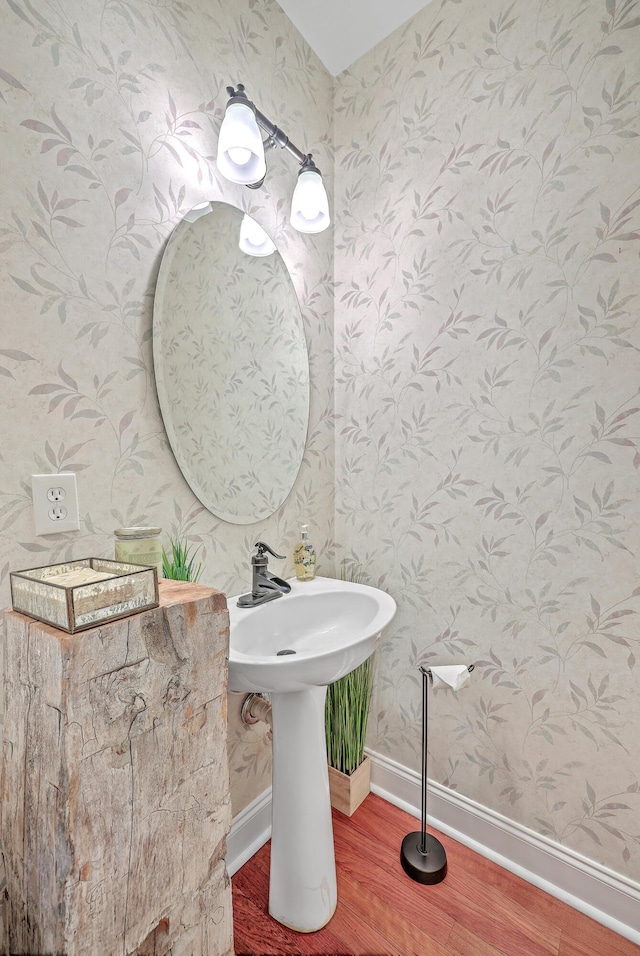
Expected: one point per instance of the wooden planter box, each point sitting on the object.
(348, 792)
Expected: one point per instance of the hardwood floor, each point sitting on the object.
(479, 910)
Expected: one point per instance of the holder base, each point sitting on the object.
(429, 867)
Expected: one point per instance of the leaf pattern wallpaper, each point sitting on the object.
(109, 114)
(480, 385)
(488, 415)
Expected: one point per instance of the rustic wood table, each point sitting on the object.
(115, 785)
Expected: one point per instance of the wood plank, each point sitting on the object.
(463, 942)
(402, 933)
(357, 937)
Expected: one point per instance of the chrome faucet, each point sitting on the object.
(264, 586)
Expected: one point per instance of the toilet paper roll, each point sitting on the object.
(454, 676)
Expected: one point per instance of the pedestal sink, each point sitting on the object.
(292, 648)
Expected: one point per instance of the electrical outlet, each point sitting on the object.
(59, 513)
(49, 492)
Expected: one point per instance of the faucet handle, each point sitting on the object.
(262, 547)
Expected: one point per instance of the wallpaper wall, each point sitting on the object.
(109, 111)
(488, 360)
(487, 351)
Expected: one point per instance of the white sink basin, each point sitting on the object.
(332, 626)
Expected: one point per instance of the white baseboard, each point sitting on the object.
(251, 828)
(595, 890)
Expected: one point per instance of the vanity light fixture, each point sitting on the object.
(253, 239)
(241, 160)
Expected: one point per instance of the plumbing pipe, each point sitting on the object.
(256, 708)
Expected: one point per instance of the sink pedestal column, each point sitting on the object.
(302, 889)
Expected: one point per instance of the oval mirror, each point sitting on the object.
(231, 365)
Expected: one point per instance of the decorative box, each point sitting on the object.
(80, 594)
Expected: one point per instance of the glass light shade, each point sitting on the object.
(253, 239)
(240, 151)
(202, 209)
(309, 203)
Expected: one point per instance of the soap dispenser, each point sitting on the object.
(304, 556)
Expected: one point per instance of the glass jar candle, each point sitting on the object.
(139, 546)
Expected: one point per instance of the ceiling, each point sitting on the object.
(341, 31)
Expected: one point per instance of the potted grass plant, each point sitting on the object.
(346, 715)
(178, 563)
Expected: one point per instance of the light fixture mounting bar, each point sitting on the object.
(275, 136)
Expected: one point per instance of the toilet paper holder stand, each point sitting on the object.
(427, 671)
(422, 856)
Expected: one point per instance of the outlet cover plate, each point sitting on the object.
(55, 495)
